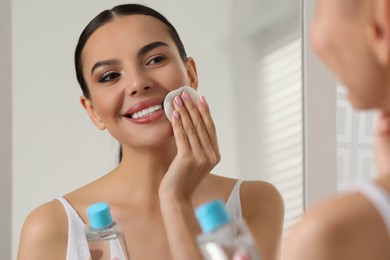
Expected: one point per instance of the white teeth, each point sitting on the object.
(147, 111)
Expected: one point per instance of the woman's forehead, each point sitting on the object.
(137, 27)
(130, 32)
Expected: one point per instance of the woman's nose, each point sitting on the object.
(138, 83)
(137, 91)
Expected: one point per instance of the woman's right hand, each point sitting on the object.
(197, 154)
(197, 147)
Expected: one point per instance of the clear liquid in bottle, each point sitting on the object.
(104, 236)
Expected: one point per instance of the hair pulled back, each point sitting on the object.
(109, 15)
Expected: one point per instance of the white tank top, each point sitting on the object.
(379, 197)
(77, 248)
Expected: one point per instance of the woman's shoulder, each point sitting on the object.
(256, 196)
(260, 198)
(46, 220)
(262, 208)
(44, 232)
(346, 226)
(260, 189)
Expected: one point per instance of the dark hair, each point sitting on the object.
(107, 16)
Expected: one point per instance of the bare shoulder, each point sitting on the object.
(343, 227)
(259, 197)
(263, 210)
(44, 233)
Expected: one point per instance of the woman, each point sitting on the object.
(353, 39)
(127, 60)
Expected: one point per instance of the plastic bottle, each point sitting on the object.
(105, 239)
(222, 238)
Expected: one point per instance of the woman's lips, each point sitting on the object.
(143, 105)
(147, 118)
(145, 111)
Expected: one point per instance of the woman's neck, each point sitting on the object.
(141, 170)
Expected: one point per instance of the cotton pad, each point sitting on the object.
(168, 105)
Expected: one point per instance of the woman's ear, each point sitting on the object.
(379, 30)
(88, 106)
(192, 73)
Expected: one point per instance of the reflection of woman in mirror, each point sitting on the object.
(353, 39)
(127, 60)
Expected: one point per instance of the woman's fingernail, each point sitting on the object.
(203, 100)
(186, 95)
(178, 101)
(176, 114)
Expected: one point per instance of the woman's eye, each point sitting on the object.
(109, 77)
(156, 60)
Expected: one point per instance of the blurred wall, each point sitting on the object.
(5, 130)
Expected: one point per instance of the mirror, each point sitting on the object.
(355, 142)
(269, 75)
(248, 55)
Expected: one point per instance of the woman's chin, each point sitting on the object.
(361, 103)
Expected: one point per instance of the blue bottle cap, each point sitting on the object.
(212, 215)
(99, 215)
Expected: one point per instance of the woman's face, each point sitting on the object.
(342, 37)
(129, 65)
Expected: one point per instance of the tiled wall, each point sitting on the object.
(355, 140)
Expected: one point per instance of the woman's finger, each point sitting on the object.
(188, 126)
(198, 123)
(209, 124)
(179, 133)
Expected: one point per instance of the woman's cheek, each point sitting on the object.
(175, 77)
(108, 102)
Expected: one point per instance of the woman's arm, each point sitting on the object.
(181, 227)
(197, 154)
(44, 234)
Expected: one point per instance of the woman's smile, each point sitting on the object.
(145, 112)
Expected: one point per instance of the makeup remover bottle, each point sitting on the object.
(105, 239)
(222, 238)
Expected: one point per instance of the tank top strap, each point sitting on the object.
(77, 248)
(233, 203)
(379, 197)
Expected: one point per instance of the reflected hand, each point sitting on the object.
(197, 147)
(382, 143)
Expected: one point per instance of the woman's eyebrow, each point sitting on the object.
(104, 63)
(150, 47)
(145, 49)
